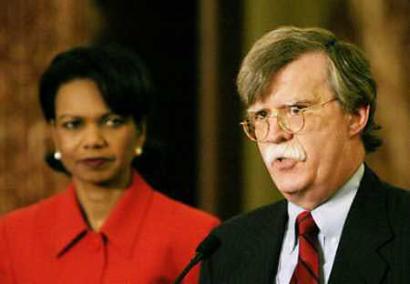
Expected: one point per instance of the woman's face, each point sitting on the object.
(96, 145)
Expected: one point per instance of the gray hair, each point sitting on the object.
(349, 72)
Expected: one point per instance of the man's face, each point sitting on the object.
(310, 165)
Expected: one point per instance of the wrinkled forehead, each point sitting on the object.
(303, 81)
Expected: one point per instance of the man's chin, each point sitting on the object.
(289, 193)
(290, 188)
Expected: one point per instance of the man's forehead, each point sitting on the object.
(303, 80)
(272, 101)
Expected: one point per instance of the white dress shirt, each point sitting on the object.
(330, 218)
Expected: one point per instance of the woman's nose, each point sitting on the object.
(94, 138)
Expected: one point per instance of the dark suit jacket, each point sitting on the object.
(374, 246)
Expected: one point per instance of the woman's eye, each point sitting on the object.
(71, 124)
(114, 121)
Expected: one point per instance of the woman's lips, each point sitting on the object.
(95, 162)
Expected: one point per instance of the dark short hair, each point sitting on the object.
(119, 74)
(349, 73)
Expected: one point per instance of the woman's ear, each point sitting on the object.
(141, 136)
(358, 120)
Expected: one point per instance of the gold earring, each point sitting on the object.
(57, 155)
(138, 151)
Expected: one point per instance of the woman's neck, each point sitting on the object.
(97, 202)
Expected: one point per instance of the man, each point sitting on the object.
(310, 101)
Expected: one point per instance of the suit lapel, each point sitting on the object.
(253, 247)
(366, 230)
(275, 235)
(263, 244)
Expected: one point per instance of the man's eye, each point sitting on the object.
(71, 124)
(260, 115)
(295, 109)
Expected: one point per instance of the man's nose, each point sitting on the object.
(94, 138)
(276, 133)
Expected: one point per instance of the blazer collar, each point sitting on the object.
(121, 227)
(69, 224)
(366, 231)
(124, 223)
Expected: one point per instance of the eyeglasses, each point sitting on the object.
(289, 118)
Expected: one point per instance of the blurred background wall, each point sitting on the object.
(196, 151)
(31, 32)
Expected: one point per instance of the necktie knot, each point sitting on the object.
(306, 225)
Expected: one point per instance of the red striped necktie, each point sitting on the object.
(307, 268)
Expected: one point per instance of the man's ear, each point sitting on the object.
(358, 120)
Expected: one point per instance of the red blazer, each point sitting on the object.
(148, 238)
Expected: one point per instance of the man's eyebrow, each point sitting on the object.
(255, 110)
(284, 105)
(301, 101)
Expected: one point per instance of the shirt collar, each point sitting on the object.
(331, 215)
(120, 228)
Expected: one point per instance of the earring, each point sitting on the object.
(138, 151)
(57, 155)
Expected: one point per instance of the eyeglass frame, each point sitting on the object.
(275, 114)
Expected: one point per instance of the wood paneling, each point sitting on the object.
(31, 33)
(219, 155)
(384, 30)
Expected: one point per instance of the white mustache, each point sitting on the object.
(290, 150)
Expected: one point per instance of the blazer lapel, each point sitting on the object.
(366, 230)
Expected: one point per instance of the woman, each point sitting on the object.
(109, 226)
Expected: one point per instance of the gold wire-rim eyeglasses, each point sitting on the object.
(292, 123)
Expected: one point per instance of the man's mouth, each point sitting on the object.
(283, 163)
